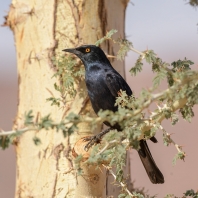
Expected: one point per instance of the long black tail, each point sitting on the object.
(151, 168)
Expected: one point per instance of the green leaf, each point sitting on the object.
(166, 140)
(191, 193)
(174, 118)
(179, 155)
(187, 113)
(29, 118)
(108, 36)
(182, 65)
(150, 56)
(123, 195)
(54, 101)
(161, 75)
(4, 142)
(46, 123)
(138, 67)
(125, 46)
(37, 141)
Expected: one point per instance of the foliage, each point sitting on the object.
(188, 193)
(68, 73)
(193, 3)
(66, 126)
(108, 36)
(181, 94)
(191, 193)
(124, 44)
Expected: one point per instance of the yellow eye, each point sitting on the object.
(87, 50)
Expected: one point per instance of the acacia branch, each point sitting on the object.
(163, 94)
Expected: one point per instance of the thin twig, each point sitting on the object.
(110, 56)
(4, 133)
(171, 140)
(121, 183)
(138, 52)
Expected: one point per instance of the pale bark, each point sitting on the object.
(41, 29)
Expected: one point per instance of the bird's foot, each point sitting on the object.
(96, 139)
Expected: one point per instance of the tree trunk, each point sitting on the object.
(41, 30)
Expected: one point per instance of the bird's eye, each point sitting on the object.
(87, 50)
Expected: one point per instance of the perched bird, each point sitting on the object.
(103, 84)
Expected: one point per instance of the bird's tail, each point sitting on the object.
(151, 168)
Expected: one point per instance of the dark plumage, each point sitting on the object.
(103, 84)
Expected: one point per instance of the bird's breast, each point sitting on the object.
(99, 94)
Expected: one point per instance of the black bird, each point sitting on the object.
(103, 84)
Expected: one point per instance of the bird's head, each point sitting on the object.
(89, 54)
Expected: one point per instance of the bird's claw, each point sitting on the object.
(96, 139)
(91, 141)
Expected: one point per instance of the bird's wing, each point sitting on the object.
(115, 83)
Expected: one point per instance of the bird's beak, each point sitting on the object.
(72, 50)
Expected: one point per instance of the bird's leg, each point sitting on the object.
(95, 139)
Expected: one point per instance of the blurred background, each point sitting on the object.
(170, 29)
